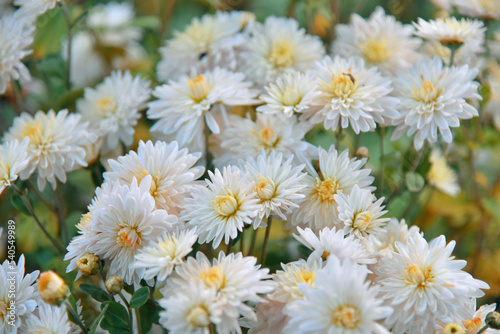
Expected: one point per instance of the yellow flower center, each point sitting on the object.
(213, 277)
(419, 277)
(361, 221)
(3, 310)
(141, 174)
(346, 316)
(169, 247)
(106, 106)
(265, 188)
(376, 50)
(129, 237)
(291, 97)
(453, 329)
(34, 130)
(281, 54)
(226, 205)
(341, 86)
(326, 189)
(304, 276)
(427, 93)
(198, 316)
(267, 138)
(199, 88)
(198, 37)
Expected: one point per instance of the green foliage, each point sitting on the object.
(140, 297)
(95, 292)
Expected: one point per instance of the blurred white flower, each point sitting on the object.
(222, 209)
(380, 40)
(112, 108)
(270, 318)
(56, 144)
(483, 9)
(450, 31)
(434, 97)
(50, 319)
(13, 159)
(441, 176)
(34, 8)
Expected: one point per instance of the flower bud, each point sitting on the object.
(362, 152)
(493, 320)
(114, 285)
(52, 288)
(453, 328)
(89, 264)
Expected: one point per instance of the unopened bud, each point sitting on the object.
(362, 152)
(89, 264)
(493, 320)
(453, 329)
(114, 285)
(52, 288)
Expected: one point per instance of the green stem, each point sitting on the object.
(208, 156)
(229, 245)
(339, 135)
(56, 244)
(70, 309)
(252, 242)
(18, 106)
(60, 217)
(482, 329)
(453, 50)
(382, 165)
(69, 25)
(139, 323)
(131, 319)
(242, 240)
(266, 240)
(39, 195)
(101, 274)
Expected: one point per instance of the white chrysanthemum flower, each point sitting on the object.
(483, 9)
(169, 251)
(34, 8)
(434, 97)
(209, 41)
(112, 108)
(360, 212)
(380, 40)
(56, 144)
(450, 30)
(425, 284)
(126, 222)
(172, 171)
(50, 319)
(13, 159)
(441, 176)
(277, 185)
(15, 38)
(382, 243)
(342, 301)
(236, 279)
(289, 93)
(277, 46)
(292, 275)
(25, 294)
(333, 241)
(191, 310)
(337, 173)
(351, 94)
(272, 133)
(183, 105)
(221, 210)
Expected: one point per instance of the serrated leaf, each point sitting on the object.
(18, 203)
(140, 297)
(414, 181)
(95, 292)
(116, 317)
(96, 322)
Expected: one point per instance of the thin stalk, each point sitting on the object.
(483, 329)
(131, 319)
(18, 106)
(39, 195)
(382, 164)
(69, 25)
(339, 135)
(139, 323)
(242, 240)
(453, 50)
(229, 245)
(70, 309)
(208, 156)
(56, 244)
(266, 240)
(252, 242)
(60, 217)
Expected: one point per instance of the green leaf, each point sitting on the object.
(414, 182)
(140, 297)
(116, 319)
(492, 206)
(149, 315)
(18, 203)
(98, 319)
(95, 292)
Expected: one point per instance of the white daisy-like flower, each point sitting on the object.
(483, 9)
(183, 105)
(209, 41)
(126, 222)
(56, 144)
(434, 97)
(169, 251)
(425, 284)
(272, 133)
(24, 296)
(337, 173)
(333, 241)
(450, 30)
(221, 210)
(292, 275)
(172, 170)
(360, 212)
(13, 159)
(50, 319)
(277, 46)
(277, 185)
(236, 279)
(15, 38)
(380, 40)
(342, 301)
(192, 310)
(289, 93)
(441, 176)
(35, 8)
(351, 94)
(112, 108)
